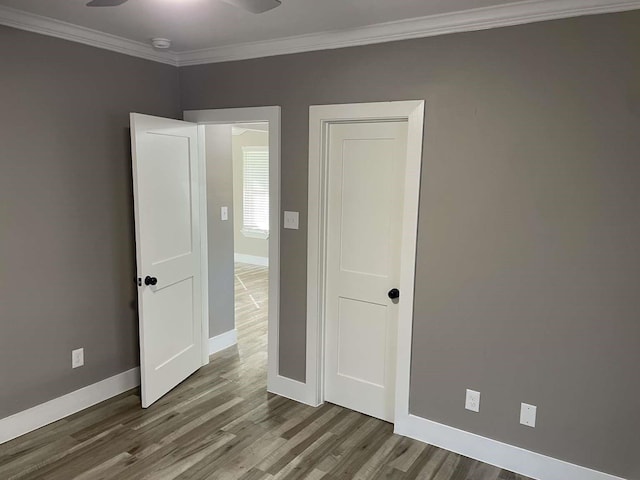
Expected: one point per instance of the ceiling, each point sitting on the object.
(198, 24)
(204, 31)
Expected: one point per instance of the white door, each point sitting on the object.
(366, 163)
(167, 209)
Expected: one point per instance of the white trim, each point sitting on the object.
(483, 18)
(502, 455)
(76, 33)
(319, 118)
(223, 341)
(251, 259)
(271, 115)
(61, 407)
(463, 21)
(259, 234)
(204, 242)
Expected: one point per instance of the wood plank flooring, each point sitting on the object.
(221, 424)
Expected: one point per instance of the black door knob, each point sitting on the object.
(394, 293)
(150, 280)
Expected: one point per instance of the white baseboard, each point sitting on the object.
(58, 408)
(502, 455)
(291, 389)
(251, 259)
(222, 341)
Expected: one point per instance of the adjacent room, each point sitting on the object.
(250, 158)
(302, 239)
(237, 165)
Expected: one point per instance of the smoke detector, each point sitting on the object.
(161, 43)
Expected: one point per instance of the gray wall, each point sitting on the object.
(220, 233)
(527, 281)
(67, 259)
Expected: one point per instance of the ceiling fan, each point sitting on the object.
(253, 6)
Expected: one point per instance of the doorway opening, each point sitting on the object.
(238, 230)
(184, 211)
(250, 160)
(240, 155)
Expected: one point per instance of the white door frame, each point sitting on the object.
(320, 117)
(270, 115)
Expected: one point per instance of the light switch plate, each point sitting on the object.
(528, 415)
(224, 213)
(473, 401)
(77, 358)
(291, 220)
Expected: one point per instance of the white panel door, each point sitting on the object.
(167, 209)
(366, 165)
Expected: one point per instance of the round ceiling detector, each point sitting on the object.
(161, 43)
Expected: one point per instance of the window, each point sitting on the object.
(255, 192)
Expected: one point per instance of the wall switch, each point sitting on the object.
(473, 401)
(528, 415)
(291, 220)
(224, 213)
(77, 358)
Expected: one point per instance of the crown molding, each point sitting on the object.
(518, 13)
(465, 21)
(75, 33)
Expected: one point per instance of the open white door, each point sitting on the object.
(167, 217)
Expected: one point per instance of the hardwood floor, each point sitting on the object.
(221, 424)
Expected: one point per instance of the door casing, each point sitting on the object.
(320, 117)
(270, 115)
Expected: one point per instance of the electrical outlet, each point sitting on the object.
(473, 401)
(224, 213)
(77, 358)
(291, 220)
(528, 415)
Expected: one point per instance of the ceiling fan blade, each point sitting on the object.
(255, 6)
(105, 3)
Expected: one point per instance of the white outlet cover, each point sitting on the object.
(291, 220)
(473, 401)
(528, 415)
(77, 358)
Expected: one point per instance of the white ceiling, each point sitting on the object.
(205, 31)
(198, 24)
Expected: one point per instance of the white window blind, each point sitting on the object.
(255, 194)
